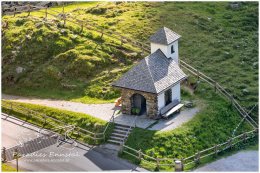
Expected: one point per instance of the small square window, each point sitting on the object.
(172, 49)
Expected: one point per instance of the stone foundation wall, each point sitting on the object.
(151, 102)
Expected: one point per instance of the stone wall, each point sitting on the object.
(151, 102)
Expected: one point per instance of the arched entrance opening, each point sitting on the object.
(138, 104)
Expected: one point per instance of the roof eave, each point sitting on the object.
(173, 85)
(133, 89)
(165, 44)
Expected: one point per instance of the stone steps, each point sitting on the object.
(119, 134)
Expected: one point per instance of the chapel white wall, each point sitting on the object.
(176, 92)
(166, 49)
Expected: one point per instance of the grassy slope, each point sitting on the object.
(220, 41)
(214, 124)
(84, 121)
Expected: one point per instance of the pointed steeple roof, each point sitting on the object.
(164, 36)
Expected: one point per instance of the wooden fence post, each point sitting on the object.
(11, 108)
(14, 10)
(255, 133)
(64, 17)
(81, 27)
(157, 164)
(95, 136)
(121, 41)
(182, 164)
(29, 10)
(216, 150)
(46, 12)
(197, 158)
(101, 34)
(4, 154)
(244, 137)
(139, 155)
(77, 135)
(230, 143)
(198, 74)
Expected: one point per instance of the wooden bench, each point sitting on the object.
(174, 106)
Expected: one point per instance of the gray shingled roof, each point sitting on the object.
(153, 74)
(164, 36)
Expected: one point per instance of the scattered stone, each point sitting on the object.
(63, 31)
(14, 52)
(74, 36)
(234, 5)
(132, 54)
(188, 104)
(245, 91)
(19, 70)
(38, 25)
(28, 37)
(68, 86)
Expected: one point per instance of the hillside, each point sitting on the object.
(44, 59)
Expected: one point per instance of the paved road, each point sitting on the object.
(63, 157)
(239, 162)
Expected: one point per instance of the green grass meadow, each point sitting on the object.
(62, 63)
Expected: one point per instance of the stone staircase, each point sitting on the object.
(119, 134)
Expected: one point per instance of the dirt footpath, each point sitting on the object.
(102, 111)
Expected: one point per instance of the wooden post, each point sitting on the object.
(230, 143)
(11, 108)
(29, 10)
(121, 41)
(14, 11)
(95, 136)
(4, 154)
(182, 164)
(64, 17)
(197, 159)
(216, 150)
(158, 164)
(16, 156)
(244, 137)
(46, 12)
(198, 74)
(140, 155)
(81, 27)
(121, 148)
(77, 135)
(101, 34)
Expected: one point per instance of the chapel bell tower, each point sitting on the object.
(166, 40)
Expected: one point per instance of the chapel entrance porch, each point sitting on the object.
(138, 104)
